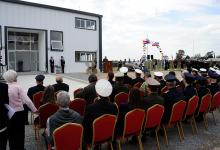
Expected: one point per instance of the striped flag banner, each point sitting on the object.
(146, 41)
(155, 44)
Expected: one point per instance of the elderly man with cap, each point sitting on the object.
(171, 96)
(159, 77)
(189, 90)
(118, 86)
(153, 96)
(33, 90)
(60, 86)
(127, 79)
(99, 108)
(213, 85)
(138, 78)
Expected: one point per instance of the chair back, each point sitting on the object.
(45, 111)
(164, 89)
(133, 122)
(205, 102)
(121, 97)
(215, 101)
(154, 115)
(177, 112)
(78, 105)
(68, 136)
(191, 106)
(37, 97)
(77, 91)
(137, 85)
(103, 128)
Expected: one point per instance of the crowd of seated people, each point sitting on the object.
(105, 90)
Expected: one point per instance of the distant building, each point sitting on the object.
(31, 33)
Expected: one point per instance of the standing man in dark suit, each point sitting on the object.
(60, 86)
(3, 115)
(99, 108)
(127, 79)
(138, 78)
(62, 61)
(51, 64)
(153, 96)
(33, 90)
(170, 97)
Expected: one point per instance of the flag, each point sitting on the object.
(146, 41)
(155, 44)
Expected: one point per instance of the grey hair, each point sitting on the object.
(10, 76)
(63, 99)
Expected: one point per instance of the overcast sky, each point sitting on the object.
(176, 24)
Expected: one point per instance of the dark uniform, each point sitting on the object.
(61, 87)
(52, 65)
(214, 87)
(89, 93)
(117, 88)
(153, 99)
(136, 80)
(189, 92)
(95, 110)
(62, 61)
(127, 80)
(33, 90)
(3, 115)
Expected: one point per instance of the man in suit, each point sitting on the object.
(127, 79)
(33, 90)
(60, 86)
(138, 78)
(3, 115)
(153, 96)
(89, 93)
(62, 62)
(170, 97)
(99, 108)
(52, 64)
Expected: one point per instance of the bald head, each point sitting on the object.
(59, 79)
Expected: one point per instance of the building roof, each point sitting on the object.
(50, 7)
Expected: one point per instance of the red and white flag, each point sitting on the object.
(146, 41)
(155, 44)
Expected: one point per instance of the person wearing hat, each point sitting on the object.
(171, 96)
(189, 90)
(138, 78)
(89, 93)
(33, 90)
(213, 85)
(173, 73)
(144, 86)
(100, 107)
(203, 72)
(127, 79)
(159, 77)
(118, 86)
(194, 72)
(153, 96)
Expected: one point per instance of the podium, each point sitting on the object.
(107, 66)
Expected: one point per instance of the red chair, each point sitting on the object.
(121, 97)
(176, 118)
(37, 97)
(68, 137)
(45, 111)
(215, 104)
(137, 85)
(164, 89)
(103, 130)
(153, 119)
(204, 108)
(133, 123)
(78, 105)
(190, 111)
(77, 91)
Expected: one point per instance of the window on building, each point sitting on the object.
(83, 56)
(56, 40)
(85, 24)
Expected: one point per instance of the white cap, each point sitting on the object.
(202, 70)
(212, 69)
(218, 72)
(194, 69)
(119, 74)
(123, 69)
(138, 71)
(216, 68)
(103, 88)
(152, 82)
(158, 74)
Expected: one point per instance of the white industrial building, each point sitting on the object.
(31, 33)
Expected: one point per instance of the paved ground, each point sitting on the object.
(205, 139)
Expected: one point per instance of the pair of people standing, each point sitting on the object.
(62, 62)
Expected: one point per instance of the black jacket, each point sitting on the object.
(61, 87)
(136, 80)
(33, 90)
(117, 88)
(214, 88)
(189, 92)
(3, 100)
(127, 80)
(89, 93)
(153, 99)
(95, 110)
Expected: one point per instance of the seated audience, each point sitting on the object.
(189, 90)
(89, 93)
(49, 95)
(127, 79)
(144, 86)
(173, 73)
(60, 86)
(159, 77)
(99, 108)
(213, 85)
(138, 78)
(203, 72)
(111, 77)
(195, 72)
(62, 116)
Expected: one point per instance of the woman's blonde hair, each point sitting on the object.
(10, 76)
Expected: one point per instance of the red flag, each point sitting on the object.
(147, 41)
(155, 44)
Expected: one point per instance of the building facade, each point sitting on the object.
(31, 33)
